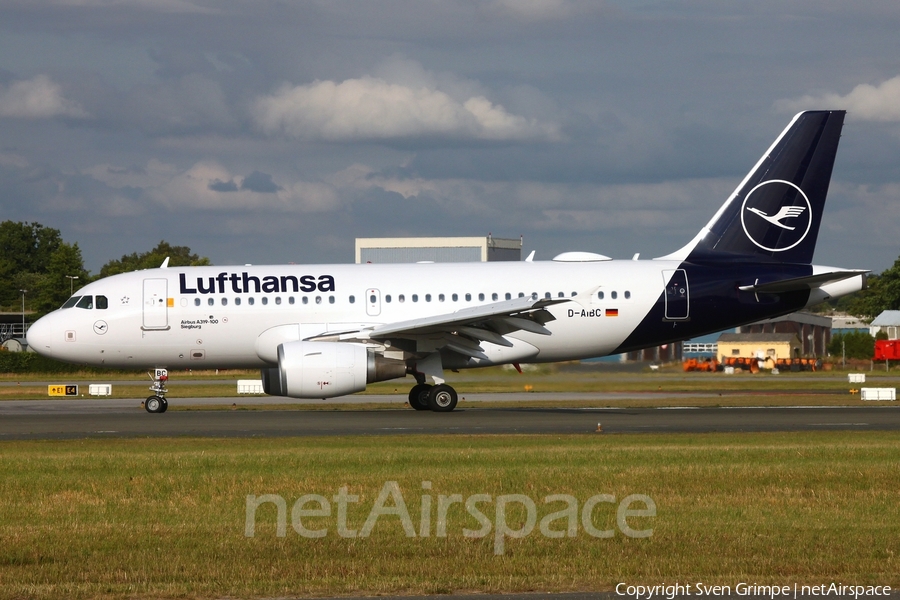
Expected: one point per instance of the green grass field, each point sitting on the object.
(166, 517)
(806, 388)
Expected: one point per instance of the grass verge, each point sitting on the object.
(166, 517)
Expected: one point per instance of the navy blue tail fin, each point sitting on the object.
(776, 210)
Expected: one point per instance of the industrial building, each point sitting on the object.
(813, 331)
(888, 322)
(775, 346)
(437, 249)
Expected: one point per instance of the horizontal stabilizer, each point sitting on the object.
(800, 283)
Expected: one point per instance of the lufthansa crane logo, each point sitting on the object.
(776, 215)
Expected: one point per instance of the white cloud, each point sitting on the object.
(865, 102)
(37, 98)
(373, 109)
(191, 189)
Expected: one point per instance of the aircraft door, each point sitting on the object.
(156, 313)
(373, 302)
(677, 294)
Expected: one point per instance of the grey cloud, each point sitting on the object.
(217, 185)
(259, 182)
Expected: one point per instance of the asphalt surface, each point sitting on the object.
(63, 419)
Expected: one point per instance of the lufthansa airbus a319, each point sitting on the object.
(322, 331)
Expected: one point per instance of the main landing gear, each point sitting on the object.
(439, 398)
(157, 403)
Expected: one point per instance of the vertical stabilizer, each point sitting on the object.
(776, 210)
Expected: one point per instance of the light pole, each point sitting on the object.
(71, 279)
(23, 311)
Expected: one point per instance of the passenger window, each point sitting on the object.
(613, 295)
(387, 298)
(562, 295)
(305, 300)
(277, 300)
(330, 299)
(352, 299)
(508, 296)
(468, 297)
(71, 302)
(237, 301)
(600, 295)
(291, 300)
(427, 297)
(440, 297)
(211, 301)
(196, 301)
(548, 296)
(102, 303)
(224, 301)
(494, 296)
(455, 297)
(481, 297)
(627, 295)
(265, 300)
(251, 300)
(318, 299)
(86, 302)
(401, 298)
(415, 297)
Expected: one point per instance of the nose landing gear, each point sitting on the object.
(157, 403)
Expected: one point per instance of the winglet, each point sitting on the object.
(165, 264)
(530, 256)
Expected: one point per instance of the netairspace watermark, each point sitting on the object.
(390, 503)
(680, 590)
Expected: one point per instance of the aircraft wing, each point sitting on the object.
(799, 283)
(462, 330)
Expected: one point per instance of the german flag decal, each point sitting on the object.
(612, 312)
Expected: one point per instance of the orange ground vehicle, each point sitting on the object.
(710, 365)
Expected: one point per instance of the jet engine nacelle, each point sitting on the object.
(326, 370)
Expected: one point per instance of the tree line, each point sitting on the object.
(36, 259)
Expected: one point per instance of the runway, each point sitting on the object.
(43, 419)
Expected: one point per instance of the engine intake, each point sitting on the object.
(327, 370)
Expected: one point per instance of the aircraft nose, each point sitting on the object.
(40, 336)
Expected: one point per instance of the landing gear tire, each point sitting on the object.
(442, 398)
(418, 396)
(155, 404)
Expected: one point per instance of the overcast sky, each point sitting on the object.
(273, 132)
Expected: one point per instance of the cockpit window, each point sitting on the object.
(85, 302)
(102, 303)
(71, 302)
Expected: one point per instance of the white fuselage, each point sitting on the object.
(217, 317)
